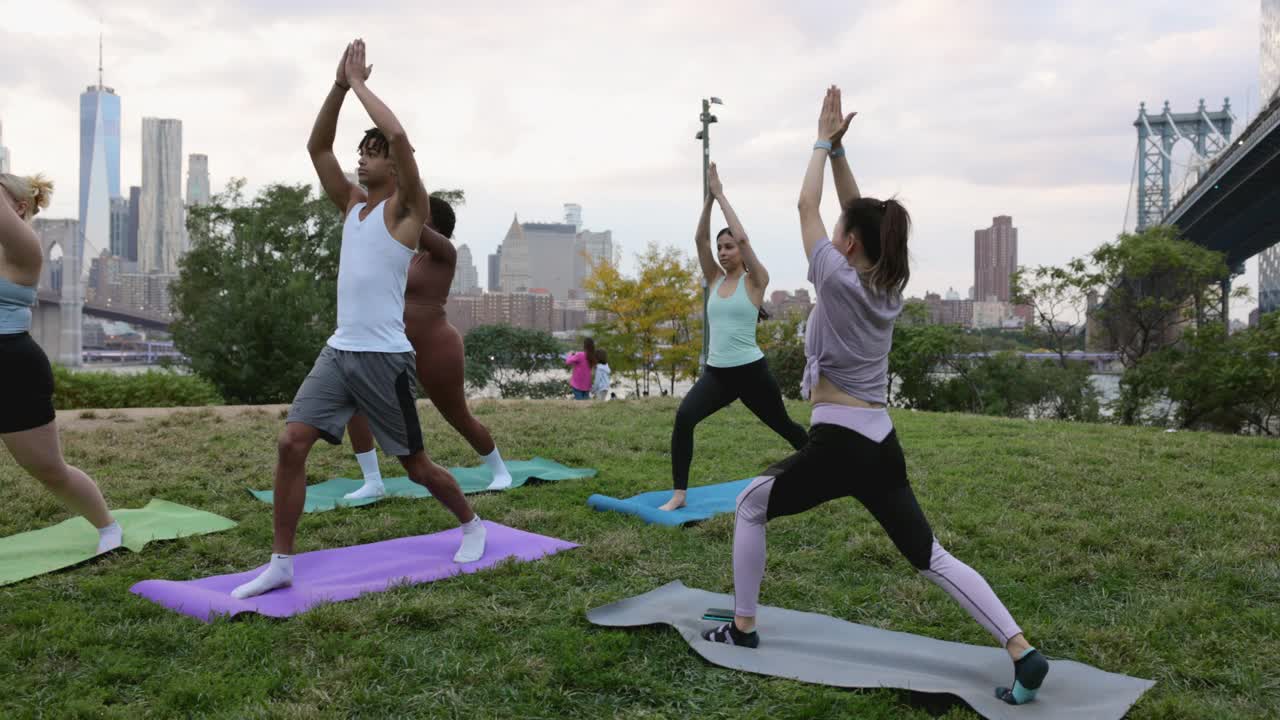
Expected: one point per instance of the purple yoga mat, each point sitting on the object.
(344, 573)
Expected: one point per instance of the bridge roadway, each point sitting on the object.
(1235, 208)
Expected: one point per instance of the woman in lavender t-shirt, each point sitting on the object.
(852, 448)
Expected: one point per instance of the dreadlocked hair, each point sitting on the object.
(374, 142)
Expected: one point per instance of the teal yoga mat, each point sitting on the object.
(73, 541)
(702, 503)
(328, 495)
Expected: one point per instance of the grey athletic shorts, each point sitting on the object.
(380, 385)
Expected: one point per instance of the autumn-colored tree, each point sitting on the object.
(650, 326)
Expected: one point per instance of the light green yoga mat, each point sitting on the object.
(328, 494)
(73, 541)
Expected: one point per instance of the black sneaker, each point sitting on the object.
(729, 634)
(1028, 673)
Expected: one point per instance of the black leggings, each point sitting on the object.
(838, 462)
(754, 385)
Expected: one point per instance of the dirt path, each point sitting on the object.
(92, 419)
(89, 419)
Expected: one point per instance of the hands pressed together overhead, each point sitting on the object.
(832, 122)
(351, 68)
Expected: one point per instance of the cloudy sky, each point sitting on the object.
(966, 110)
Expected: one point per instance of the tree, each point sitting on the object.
(1056, 296)
(917, 350)
(618, 298)
(1154, 285)
(256, 296)
(783, 346)
(511, 357)
(1216, 381)
(650, 324)
(670, 278)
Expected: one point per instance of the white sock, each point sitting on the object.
(110, 537)
(278, 574)
(472, 547)
(372, 477)
(501, 476)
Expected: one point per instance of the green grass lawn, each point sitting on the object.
(1137, 551)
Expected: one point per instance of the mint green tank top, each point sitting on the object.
(16, 302)
(732, 323)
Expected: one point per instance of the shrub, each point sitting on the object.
(154, 388)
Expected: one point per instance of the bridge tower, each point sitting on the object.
(1208, 132)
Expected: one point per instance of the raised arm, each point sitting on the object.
(757, 276)
(846, 186)
(20, 244)
(340, 190)
(702, 238)
(412, 196)
(440, 247)
(811, 228)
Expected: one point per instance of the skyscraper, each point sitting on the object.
(573, 216)
(161, 235)
(593, 249)
(198, 180)
(513, 275)
(1269, 84)
(465, 278)
(551, 257)
(495, 271)
(131, 240)
(995, 259)
(1269, 75)
(1269, 280)
(4, 152)
(119, 227)
(99, 162)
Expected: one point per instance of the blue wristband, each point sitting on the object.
(823, 144)
(837, 153)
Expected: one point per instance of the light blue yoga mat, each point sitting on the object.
(328, 494)
(703, 502)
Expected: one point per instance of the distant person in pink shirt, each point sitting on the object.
(584, 367)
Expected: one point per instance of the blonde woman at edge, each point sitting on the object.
(27, 426)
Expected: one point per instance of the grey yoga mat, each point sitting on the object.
(820, 649)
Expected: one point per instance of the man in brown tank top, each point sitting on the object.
(439, 349)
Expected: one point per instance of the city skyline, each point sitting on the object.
(1065, 179)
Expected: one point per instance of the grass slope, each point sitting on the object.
(1133, 550)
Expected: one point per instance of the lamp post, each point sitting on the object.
(705, 136)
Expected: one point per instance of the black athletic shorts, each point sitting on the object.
(26, 384)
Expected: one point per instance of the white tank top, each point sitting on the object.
(372, 270)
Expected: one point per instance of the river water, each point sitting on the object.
(1108, 385)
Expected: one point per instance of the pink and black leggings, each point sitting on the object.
(839, 462)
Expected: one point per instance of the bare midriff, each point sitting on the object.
(827, 392)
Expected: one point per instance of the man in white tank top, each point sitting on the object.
(368, 363)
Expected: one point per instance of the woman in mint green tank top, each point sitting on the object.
(736, 368)
(27, 426)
